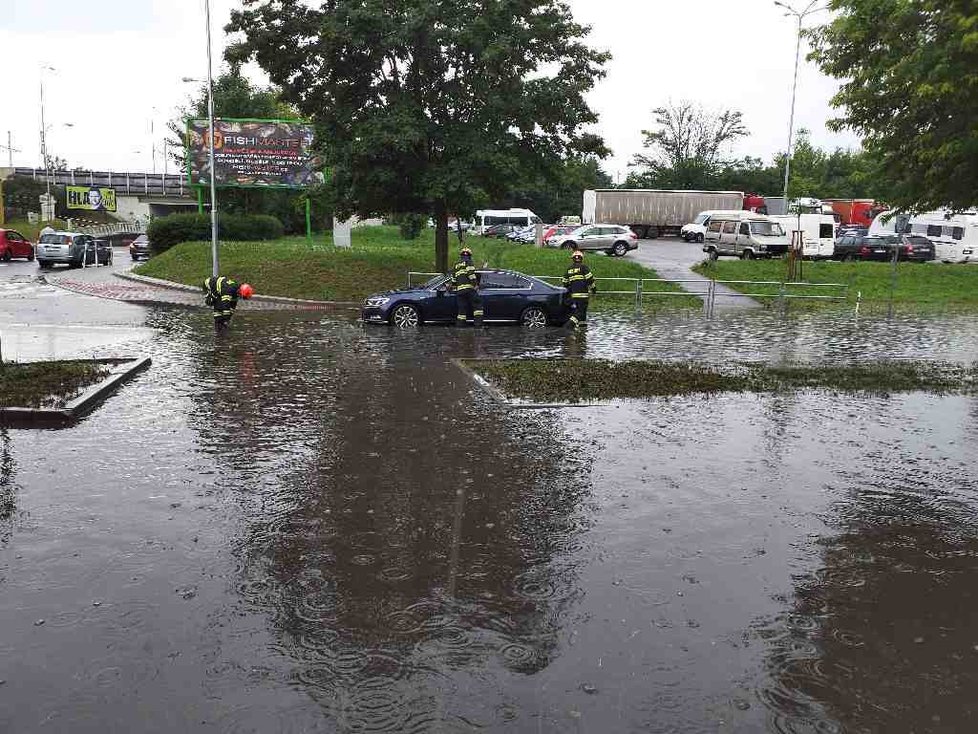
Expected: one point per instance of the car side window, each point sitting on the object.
(715, 226)
(729, 227)
(934, 230)
(957, 233)
(744, 228)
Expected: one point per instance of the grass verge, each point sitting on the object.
(378, 260)
(931, 286)
(46, 384)
(571, 381)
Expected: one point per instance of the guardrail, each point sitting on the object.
(107, 230)
(708, 292)
(152, 184)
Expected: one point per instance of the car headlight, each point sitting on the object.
(377, 301)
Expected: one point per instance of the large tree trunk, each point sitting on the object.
(441, 237)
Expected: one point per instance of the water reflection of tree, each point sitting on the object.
(883, 637)
(419, 529)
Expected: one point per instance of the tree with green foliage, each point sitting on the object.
(429, 105)
(909, 72)
(687, 145)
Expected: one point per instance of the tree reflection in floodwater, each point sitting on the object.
(883, 636)
(402, 536)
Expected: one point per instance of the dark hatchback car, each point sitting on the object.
(911, 248)
(139, 248)
(507, 296)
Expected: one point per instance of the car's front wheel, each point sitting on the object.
(699, 237)
(405, 316)
(713, 254)
(569, 245)
(533, 317)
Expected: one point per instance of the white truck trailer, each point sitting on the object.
(651, 212)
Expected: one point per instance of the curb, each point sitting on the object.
(268, 299)
(500, 397)
(85, 403)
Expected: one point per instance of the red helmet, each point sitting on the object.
(246, 291)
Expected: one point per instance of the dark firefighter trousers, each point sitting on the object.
(469, 306)
(578, 311)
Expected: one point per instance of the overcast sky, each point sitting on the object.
(118, 66)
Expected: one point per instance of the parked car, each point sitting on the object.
(139, 248)
(556, 230)
(852, 230)
(499, 230)
(614, 239)
(507, 296)
(14, 244)
(912, 248)
(523, 235)
(71, 249)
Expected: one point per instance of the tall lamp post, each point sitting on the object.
(44, 127)
(215, 262)
(800, 15)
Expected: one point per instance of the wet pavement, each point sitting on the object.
(312, 526)
(673, 259)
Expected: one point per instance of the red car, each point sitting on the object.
(14, 244)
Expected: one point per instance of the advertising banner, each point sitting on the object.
(92, 198)
(252, 153)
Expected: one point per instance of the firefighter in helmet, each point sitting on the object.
(221, 293)
(579, 282)
(465, 280)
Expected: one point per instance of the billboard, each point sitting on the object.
(92, 198)
(260, 153)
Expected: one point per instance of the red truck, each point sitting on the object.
(860, 212)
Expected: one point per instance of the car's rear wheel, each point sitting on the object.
(620, 249)
(30, 257)
(713, 254)
(533, 317)
(405, 316)
(747, 255)
(7, 256)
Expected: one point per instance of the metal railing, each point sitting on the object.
(708, 293)
(147, 184)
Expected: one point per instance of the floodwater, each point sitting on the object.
(308, 526)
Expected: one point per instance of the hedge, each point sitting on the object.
(166, 232)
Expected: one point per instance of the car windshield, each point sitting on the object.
(701, 218)
(435, 282)
(766, 229)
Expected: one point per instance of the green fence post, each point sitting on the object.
(200, 200)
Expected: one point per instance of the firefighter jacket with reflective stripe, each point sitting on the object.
(579, 281)
(464, 276)
(222, 294)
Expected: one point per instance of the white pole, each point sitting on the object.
(44, 146)
(215, 263)
(791, 119)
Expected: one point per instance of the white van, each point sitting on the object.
(955, 237)
(818, 233)
(745, 235)
(485, 218)
(695, 231)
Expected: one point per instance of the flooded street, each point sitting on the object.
(309, 526)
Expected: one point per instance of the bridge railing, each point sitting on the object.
(151, 184)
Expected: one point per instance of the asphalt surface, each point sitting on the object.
(674, 259)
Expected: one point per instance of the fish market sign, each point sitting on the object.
(252, 153)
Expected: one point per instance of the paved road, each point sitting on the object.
(674, 259)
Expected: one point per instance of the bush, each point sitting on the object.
(166, 232)
(411, 226)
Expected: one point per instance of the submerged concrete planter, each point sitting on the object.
(123, 370)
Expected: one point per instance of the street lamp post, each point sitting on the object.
(794, 87)
(215, 263)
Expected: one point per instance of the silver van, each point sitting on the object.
(745, 235)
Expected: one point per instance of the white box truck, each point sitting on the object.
(818, 233)
(651, 212)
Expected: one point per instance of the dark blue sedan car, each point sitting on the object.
(507, 296)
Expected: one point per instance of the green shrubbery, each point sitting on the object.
(166, 232)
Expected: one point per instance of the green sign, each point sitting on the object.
(91, 198)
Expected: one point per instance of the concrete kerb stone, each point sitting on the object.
(169, 284)
(85, 403)
(500, 397)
